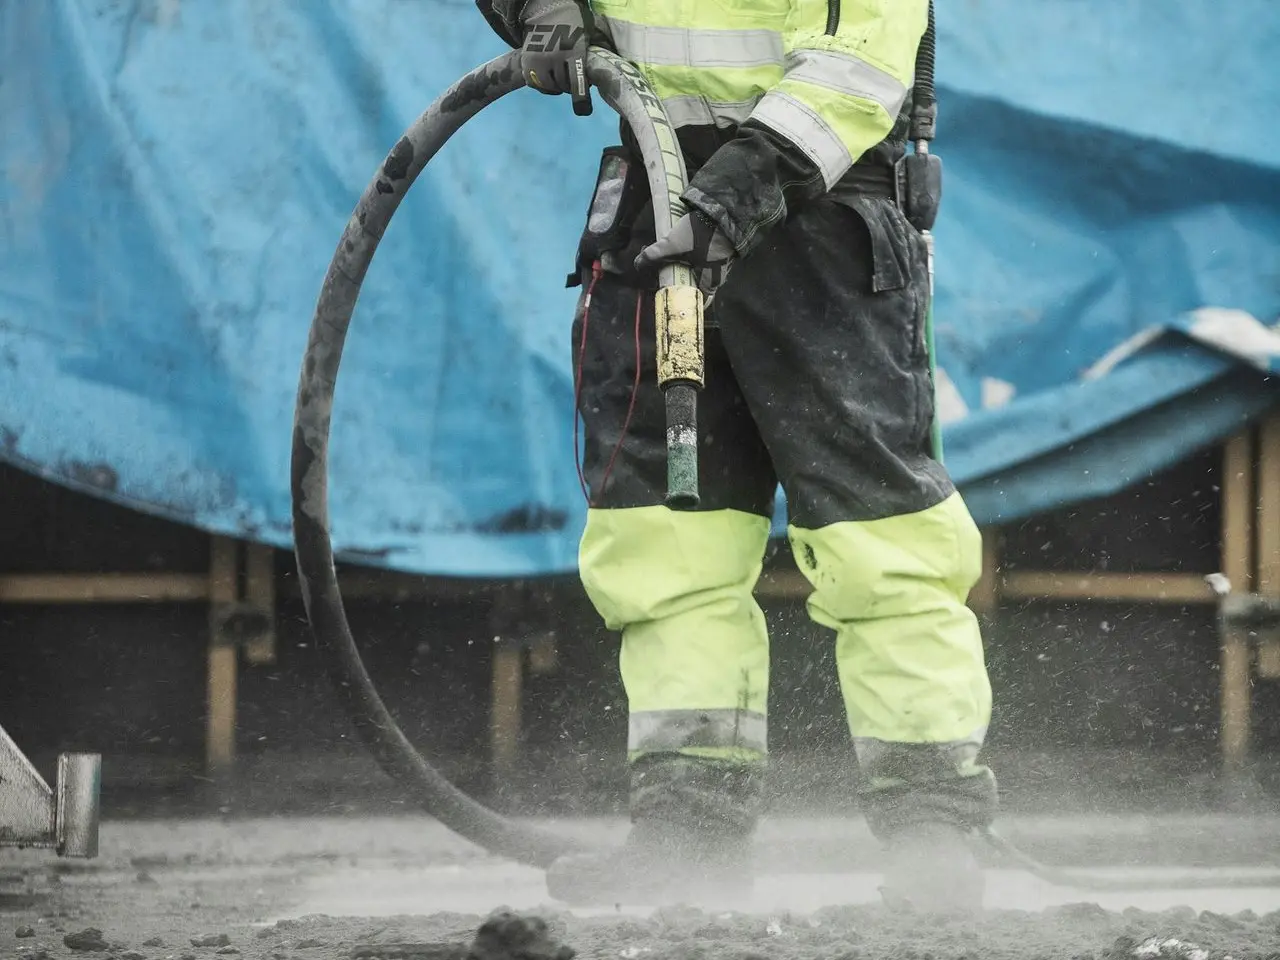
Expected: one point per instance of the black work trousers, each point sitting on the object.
(817, 373)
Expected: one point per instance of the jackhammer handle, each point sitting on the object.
(682, 445)
(679, 331)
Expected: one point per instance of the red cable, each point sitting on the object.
(596, 271)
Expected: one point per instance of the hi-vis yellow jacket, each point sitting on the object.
(828, 75)
(793, 92)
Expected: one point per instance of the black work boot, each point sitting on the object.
(659, 864)
(931, 868)
(690, 841)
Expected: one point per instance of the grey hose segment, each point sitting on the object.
(625, 89)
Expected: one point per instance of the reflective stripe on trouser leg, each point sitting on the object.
(695, 654)
(910, 658)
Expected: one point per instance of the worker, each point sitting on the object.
(791, 115)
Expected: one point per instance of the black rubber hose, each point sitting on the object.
(625, 90)
(1071, 878)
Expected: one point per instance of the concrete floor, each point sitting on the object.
(372, 891)
(273, 885)
(390, 886)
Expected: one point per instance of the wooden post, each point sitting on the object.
(506, 695)
(220, 731)
(1237, 564)
(260, 596)
(543, 655)
(1268, 536)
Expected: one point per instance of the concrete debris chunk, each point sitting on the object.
(211, 940)
(88, 940)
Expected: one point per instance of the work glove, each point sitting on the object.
(554, 55)
(697, 241)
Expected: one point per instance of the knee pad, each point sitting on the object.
(646, 563)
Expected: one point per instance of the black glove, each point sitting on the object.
(697, 241)
(554, 58)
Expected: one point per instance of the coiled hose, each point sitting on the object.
(624, 89)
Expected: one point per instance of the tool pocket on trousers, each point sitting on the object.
(893, 277)
(898, 269)
(619, 197)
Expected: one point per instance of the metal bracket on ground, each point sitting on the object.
(63, 817)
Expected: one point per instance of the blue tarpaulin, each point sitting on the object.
(174, 176)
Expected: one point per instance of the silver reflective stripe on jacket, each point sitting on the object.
(808, 131)
(698, 111)
(669, 730)
(848, 75)
(687, 47)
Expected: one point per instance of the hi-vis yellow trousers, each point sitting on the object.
(817, 376)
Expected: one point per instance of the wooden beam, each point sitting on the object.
(1180, 588)
(1132, 587)
(985, 595)
(395, 586)
(1237, 564)
(506, 695)
(58, 588)
(784, 583)
(220, 721)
